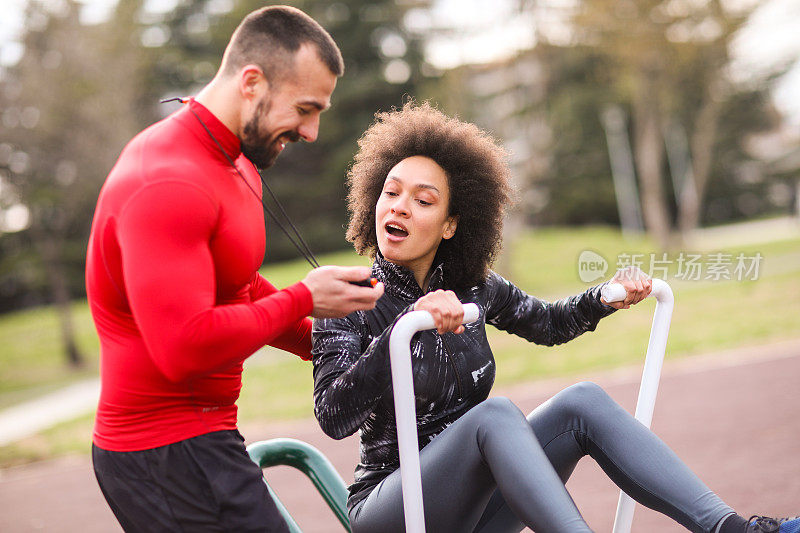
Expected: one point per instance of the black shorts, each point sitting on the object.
(206, 483)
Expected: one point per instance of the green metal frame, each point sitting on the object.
(312, 463)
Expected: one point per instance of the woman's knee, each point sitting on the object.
(497, 409)
(581, 399)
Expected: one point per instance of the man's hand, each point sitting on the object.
(446, 309)
(334, 296)
(637, 286)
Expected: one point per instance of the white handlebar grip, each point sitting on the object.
(613, 292)
(471, 313)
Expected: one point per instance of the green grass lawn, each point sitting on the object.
(709, 315)
(31, 358)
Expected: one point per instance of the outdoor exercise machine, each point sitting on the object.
(331, 486)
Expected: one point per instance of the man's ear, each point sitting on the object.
(253, 84)
(450, 229)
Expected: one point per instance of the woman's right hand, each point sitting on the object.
(446, 310)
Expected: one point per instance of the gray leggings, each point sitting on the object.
(494, 471)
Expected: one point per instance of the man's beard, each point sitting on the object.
(256, 145)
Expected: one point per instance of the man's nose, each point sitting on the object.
(309, 130)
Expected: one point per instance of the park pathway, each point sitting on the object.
(733, 416)
(31, 417)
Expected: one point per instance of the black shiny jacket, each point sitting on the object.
(452, 373)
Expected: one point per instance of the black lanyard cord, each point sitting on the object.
(313, 261)
(301, 246)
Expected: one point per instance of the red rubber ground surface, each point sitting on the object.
(734, 417)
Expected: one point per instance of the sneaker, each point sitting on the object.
(765, 524)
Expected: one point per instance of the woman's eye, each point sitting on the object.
(390, 193)
(423, 202)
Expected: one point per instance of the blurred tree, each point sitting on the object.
(69, 105)
(664, 64)
(670, 62)
(578, 180)
(667, 63)
(739, 182)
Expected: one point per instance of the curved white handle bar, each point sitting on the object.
(614, 292)
(406, 412)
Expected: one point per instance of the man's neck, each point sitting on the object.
(220, 97)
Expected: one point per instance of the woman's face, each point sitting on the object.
(411, 214)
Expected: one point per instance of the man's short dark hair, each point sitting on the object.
(269, 37)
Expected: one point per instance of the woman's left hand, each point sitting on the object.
(637, 286)
(446, 310)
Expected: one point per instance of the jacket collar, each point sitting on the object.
(193, 111)
(400, 282)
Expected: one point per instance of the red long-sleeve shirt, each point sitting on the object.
(173, 287)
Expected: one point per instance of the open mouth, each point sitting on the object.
(284, 139)
(289, 137)
(395, 230)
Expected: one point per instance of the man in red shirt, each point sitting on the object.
(172, 281)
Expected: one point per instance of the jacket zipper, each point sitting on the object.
(459, 386)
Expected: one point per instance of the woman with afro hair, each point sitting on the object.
(427, 198)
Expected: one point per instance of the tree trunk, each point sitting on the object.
(615, 125)
(59, 291)
(649, 157)
(702, 147)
